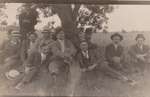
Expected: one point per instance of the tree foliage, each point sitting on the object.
(82, 15)
(3, 15)
(78, 17)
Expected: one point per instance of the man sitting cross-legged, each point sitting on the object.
(63, 52)
(33, 63)
(140, 54)
(91, 60)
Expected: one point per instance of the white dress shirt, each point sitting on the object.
(85, 53)
(62, 45)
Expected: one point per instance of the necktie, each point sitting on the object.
(86, 54)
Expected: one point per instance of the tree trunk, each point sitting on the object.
(68, 18)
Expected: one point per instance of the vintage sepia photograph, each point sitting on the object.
(74, 50)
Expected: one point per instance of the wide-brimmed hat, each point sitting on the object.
(140, 36)
(45, 31)
(12, 74)
(116, 34)
(89, 31)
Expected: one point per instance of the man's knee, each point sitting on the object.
(30, 75)
(53, 68)
(104, 65)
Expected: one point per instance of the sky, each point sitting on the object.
(11, 11)
(130, 17)
(127, 17)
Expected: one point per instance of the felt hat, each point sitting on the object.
(116, 34)
(140, 36)
(15, 34)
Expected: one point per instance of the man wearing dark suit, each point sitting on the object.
(92, 60)
(35, 60)
(140, 52)
(89, 58)
(63, 52)
(114, 56)
(27, 21)
(114, 52)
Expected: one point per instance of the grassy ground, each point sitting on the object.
(99, 85)
(96, 85)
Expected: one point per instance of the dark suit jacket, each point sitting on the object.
(111, 52)
(134, 50)
(70, 50)
(33, 59)
(96, 56)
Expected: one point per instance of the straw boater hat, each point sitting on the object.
(140, 36)
(116, 34)
(45, 31)
(16, 34)
(12, 74)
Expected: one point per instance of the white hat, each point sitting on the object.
(12, 74)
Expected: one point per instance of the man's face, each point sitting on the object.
(140, 41)
(61, 35)
(32, 37)
(27, 8)
(84, 46)
(82, 36)
(88, 37)
(45, 49)
(46, 34)
(15, 38)
(116, 39)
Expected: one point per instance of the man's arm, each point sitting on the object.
(107, 54)
(56, 51)
(2, 45)
(79, 60)
(72, 50)
(98, 58)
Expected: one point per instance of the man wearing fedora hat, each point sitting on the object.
(140, 52)
(114, 51)
(113, 55)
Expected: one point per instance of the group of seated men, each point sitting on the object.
(57, 55)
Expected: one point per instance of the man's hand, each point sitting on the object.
(140, 57)
(92, 67)
(116, 59)
(8, 59)
(27, 69)
(84, 70)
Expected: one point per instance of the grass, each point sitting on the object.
(99, 85)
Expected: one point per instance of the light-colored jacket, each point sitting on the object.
(68, 53)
